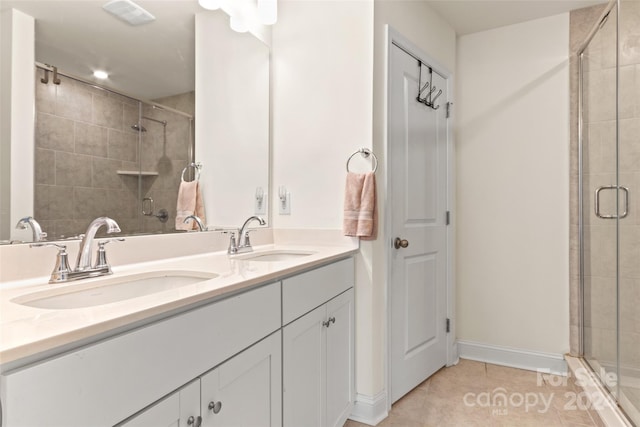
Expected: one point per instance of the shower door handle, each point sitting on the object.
(624, 213)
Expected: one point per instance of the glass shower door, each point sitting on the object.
(610, 225)
(600, 201)
(629, 227)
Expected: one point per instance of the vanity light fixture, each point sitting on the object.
(245, 14)
(238, 24)
(268, 11)
(210, 4)
(128, 11)
(99, 74)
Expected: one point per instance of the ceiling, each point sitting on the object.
(157, 59)
(149, 61)
(471, 16)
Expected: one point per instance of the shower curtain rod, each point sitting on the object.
(48, 67)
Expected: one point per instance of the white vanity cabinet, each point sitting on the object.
(246, 390)
(279, 354)
(318, 347)
(105, 383)
(243, 391)
(178, 409)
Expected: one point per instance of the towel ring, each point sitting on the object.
(196, 166)
(365, 153)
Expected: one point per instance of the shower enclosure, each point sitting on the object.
(609, 170)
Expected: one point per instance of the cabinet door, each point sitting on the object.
(247, 389)
(172, 411)
(303, 376)
(340, 359)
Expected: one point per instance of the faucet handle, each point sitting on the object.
(247, 241)
(101, 258)
(233, 247)
(61, 270)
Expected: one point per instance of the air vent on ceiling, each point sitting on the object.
(128, 11)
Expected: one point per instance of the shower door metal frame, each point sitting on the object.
(580, 55)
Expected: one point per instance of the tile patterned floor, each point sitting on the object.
(480, 394)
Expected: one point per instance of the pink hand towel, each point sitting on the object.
(360, 206)
(189, 203)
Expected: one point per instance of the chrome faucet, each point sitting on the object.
(84, 255)
(244, 244)
(29, 221)
(198, 221)
(63, 273)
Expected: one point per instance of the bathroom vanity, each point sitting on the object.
(267, 342)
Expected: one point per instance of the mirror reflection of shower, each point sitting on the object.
(165, 146)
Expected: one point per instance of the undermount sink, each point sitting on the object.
(113, 289)
(275, 255)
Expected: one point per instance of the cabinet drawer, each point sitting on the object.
(104, 383)
(306, 291)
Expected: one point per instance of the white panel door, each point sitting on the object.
(418, 195)
(247, 389)
(340, 347)
(303, 377)
(175, 410)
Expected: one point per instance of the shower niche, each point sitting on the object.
(99, 153)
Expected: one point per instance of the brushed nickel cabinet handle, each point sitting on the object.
(329, 321)
(194, 421)
(215, 406)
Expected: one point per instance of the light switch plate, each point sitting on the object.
(261, 205)
(285, 204)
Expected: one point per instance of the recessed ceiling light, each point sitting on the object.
(128, 11)
(99, 74)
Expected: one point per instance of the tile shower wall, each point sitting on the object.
(83, 137)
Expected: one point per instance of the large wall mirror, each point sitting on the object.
(183, 90)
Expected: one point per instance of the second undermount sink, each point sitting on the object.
(113, 289)
(275, 255)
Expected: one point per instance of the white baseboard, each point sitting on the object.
(370, 409)
(515, 358)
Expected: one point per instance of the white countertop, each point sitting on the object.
(26, 331)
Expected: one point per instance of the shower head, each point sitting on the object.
(138, 127)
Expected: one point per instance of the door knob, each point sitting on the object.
(400, 243)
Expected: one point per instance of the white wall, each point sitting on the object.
(17, 118)
(322, 61)
(513, 186)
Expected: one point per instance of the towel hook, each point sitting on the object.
(428, 100)
(365, 153)
(196, 166)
